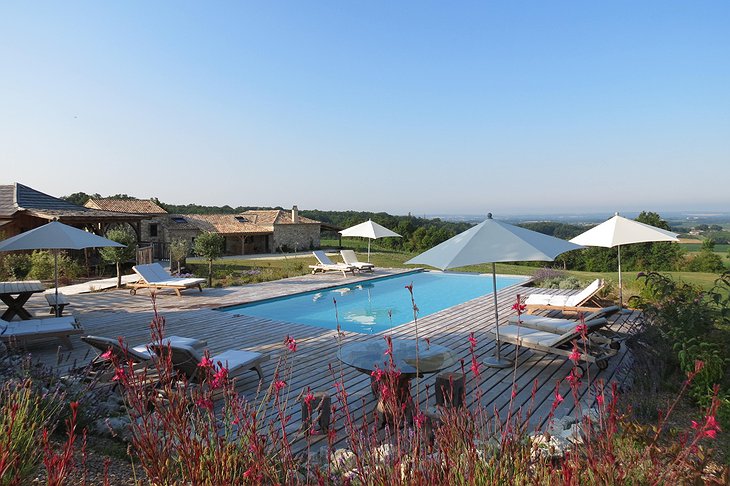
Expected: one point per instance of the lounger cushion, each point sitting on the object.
(39, 326)
(548, 324)
(530, 336)
(155, 274)
(564, 300)
(236, 358)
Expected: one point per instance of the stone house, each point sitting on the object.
(145, 208)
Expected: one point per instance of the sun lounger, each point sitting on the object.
(100, 367)
(327, 265)
(185, 359)
(49, 327)
(349, 257)
(153, 276)
(580, 302)
(560, 326)
(561, 344)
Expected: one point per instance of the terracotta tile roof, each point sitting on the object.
(274, 216)
(139, 206)
(218, 223)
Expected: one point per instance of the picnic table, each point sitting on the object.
(15, 295)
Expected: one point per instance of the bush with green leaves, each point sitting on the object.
(119, 255)
(42, 266)
(210, 247)
(179, 250)
(15, 266)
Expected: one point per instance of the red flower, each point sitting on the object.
(206, 403)
(308, 398)
(558, 397)
(107, 355)
(206, 362)
(219, 378)
(279, 384)
(573, 378)
(472, 340)
(475, 366)
(519, 306)
(410, 287)
(291, 343)
(119, 374)
(599, 399)
(419, 419)
(575, 355)
(581, 329)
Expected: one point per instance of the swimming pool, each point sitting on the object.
(376, 305)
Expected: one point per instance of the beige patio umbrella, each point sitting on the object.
(370, 230)
(619, 231)
(55, 236)
(494, 241)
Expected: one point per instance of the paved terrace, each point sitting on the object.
(117, 313)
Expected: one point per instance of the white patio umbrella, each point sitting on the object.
(493, 241)
(619, 231)
(55, 236)
(370, 230)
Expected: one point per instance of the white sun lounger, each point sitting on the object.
(58, 327)
(349, 257)
(579, 302)
(327, 265)
(153, 276)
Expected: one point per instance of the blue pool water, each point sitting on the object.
(376, 305)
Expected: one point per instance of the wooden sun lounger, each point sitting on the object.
(349, 257)
(327, 265)
(561, 344)
(154, 277)
(49, 327)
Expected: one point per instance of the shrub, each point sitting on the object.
(15, 266)
(42, 266)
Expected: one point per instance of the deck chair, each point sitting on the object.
(100, 367)
(560, 326)
(49, 327)
(349, 257)
(580, 302)
(327, 265)
(153, 276)
(561, 344)
(185, 359)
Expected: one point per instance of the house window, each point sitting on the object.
(153, 230)
(240, 219)
(178, 219)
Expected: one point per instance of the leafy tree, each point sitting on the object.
(210, 247)
(179, 249)
(708, 244)
(118, 255)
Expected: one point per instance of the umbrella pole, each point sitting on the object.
(496, 361)
(369, 250)
(55, 269)
(620, 287)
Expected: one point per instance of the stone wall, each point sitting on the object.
(301, 237)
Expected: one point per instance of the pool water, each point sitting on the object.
(376, 305)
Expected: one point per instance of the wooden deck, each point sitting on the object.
(117, 313)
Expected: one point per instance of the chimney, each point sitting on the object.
(294, 214)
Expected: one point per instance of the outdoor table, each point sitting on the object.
(23, 291)
(368, 356)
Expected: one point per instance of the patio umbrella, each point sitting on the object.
(55, 236)
(493, 241)
(619, 231)
(370, 230)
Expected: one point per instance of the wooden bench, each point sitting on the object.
(61, 303)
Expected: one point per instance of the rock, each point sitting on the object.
(574, 434)
(548, 446)
(3, 350)
(342, 460)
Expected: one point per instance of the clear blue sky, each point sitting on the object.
(428, 107)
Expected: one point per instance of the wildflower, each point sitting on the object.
(419, 419)
(219, 378)
(575, 355)
(107, 355)
(514, 391)
(475, 366)
(279, 384)
(599, 400)
(573, 378)
(206, 362)
(206, 403)
(410, 287)
(519, 306)
(291, 343)
(472, 340)
(558, 397)
(581, 328)
(119, 374)
(308, 399)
